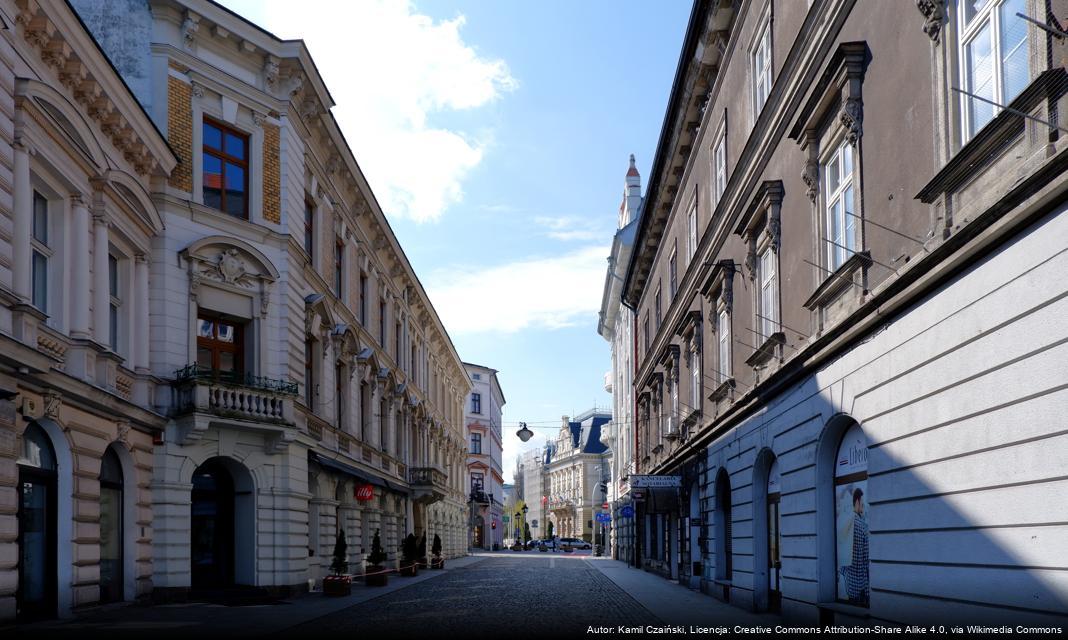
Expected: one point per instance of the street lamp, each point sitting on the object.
(524, 433)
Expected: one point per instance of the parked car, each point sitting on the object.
(548, 543)
(577, 543)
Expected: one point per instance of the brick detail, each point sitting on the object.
(180, 132)
(272, 180)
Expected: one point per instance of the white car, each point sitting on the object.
(577, 543)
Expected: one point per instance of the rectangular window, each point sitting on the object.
(673, 271)
(476, 443)
(115, 303)
(309, 228)
(994, 58)
(476, 403)
(695, 379)
(769, 296)
(309, 374)
(220, 347)
(382, 323)
(397, 342)
(645, 330)
(339, 395)
(761, 67)
(478, 481)
(225, 170)
(339, 268)
(691, 227)
(656, 307)
(724, 325)
(720, 160)
(840, 218)
(41, 253)
(363, 299)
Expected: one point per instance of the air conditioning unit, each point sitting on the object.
(672, 430)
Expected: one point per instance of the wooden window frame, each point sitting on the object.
(225, 158)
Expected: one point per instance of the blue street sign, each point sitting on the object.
(627, 511)
(604, 517)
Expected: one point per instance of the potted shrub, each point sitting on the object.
(409, 556)
(422, 552)
(339, 583)
(439, 562)
(376, 573)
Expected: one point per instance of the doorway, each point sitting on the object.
(212, 526)
(36, 594)
(111, 528)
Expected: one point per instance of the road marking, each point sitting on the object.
(552, 562)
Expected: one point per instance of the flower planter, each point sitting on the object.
(438, 563)
(409, 569)
(376, 576)
(567, 548)
(337, 585)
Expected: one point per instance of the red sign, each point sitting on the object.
(494, 525)
(544, 499)
(605, 506)
(365, 492)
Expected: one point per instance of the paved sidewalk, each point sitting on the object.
(674, 603)
(211, 620)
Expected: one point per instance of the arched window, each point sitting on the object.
(724, 547)
(851, 518)
(111, 527)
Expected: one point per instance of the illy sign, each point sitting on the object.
(656, 482)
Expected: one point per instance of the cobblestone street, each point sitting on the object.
(532, 595)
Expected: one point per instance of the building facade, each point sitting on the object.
(485, 475)
(577, 472)
(80, 159)
(616, 325)
(532, 487)
(847, 307)
(302, 383)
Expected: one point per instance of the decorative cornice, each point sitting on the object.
(934, 15)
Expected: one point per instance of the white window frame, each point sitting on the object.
(836, 255)
(760, 64)
(116, 279)
(969, 30)
(695, 377)
(723, 328)
(719, 163)
(691, 228)
(41, 249)
(768, 294)
(673, 271)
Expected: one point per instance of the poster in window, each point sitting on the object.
(851, 518)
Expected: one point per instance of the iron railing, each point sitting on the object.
(196, 372)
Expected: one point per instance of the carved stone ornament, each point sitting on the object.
(190, 26)
(198, 89)
(270, 71)
(123, 434)
(231, 267)
(934, 14)
(751, 259)
(53, 402)
(810, 175)
(852, 118)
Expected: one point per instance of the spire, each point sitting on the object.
(632, 195)
(632, 172)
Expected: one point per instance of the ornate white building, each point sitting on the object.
(484, 451)
(578, 468)
(616, 325)
(307, 384)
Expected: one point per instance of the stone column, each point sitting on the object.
(80, 285)
(22, 230)
(141, 323)
(101, 290)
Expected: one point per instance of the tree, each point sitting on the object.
(436, 549)
(340, 563)
(377, 555)
(549, 530)
(526, 532)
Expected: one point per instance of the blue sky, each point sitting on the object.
(496, 135)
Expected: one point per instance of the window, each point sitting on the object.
(339, 268)
(111, 527)
(397, 341)
(476, 443)
(309, 228)
(761, 66)
(382, 322)
(994, 57)
(476, 376)
(839, 213)
(691, 228)
(365, 410)
(695, 378)
(478, 481)
(41, 253)
(476, 403)
(723, 324)
(363, 299)
(656, 307)
(673, 269)
(309, 374)
(225, 157)
(850, 518)
(769, 295)
(220, 346)
(339, 395)
(115, 303)
(719, 158)
(645, 330)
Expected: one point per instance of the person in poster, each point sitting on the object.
(855, 574)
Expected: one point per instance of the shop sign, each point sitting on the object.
(365, 492)
(656, 482)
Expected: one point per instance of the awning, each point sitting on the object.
(357, 473)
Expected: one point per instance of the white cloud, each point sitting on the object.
(547, 293)
(390, 69)
(572, 228)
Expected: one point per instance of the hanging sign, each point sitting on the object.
(365, 492)
(657, 482)
(627, 511)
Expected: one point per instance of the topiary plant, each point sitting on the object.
(377, 555)
(436, 549)
(340, 563)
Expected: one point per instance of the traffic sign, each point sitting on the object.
(506, 518)
(605, 506)
(627, 511)
(604, 517)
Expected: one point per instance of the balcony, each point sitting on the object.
(556, 504)
(481, 497)
(429, 484)
(203, 397)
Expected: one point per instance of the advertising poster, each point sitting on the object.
(851, 518)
